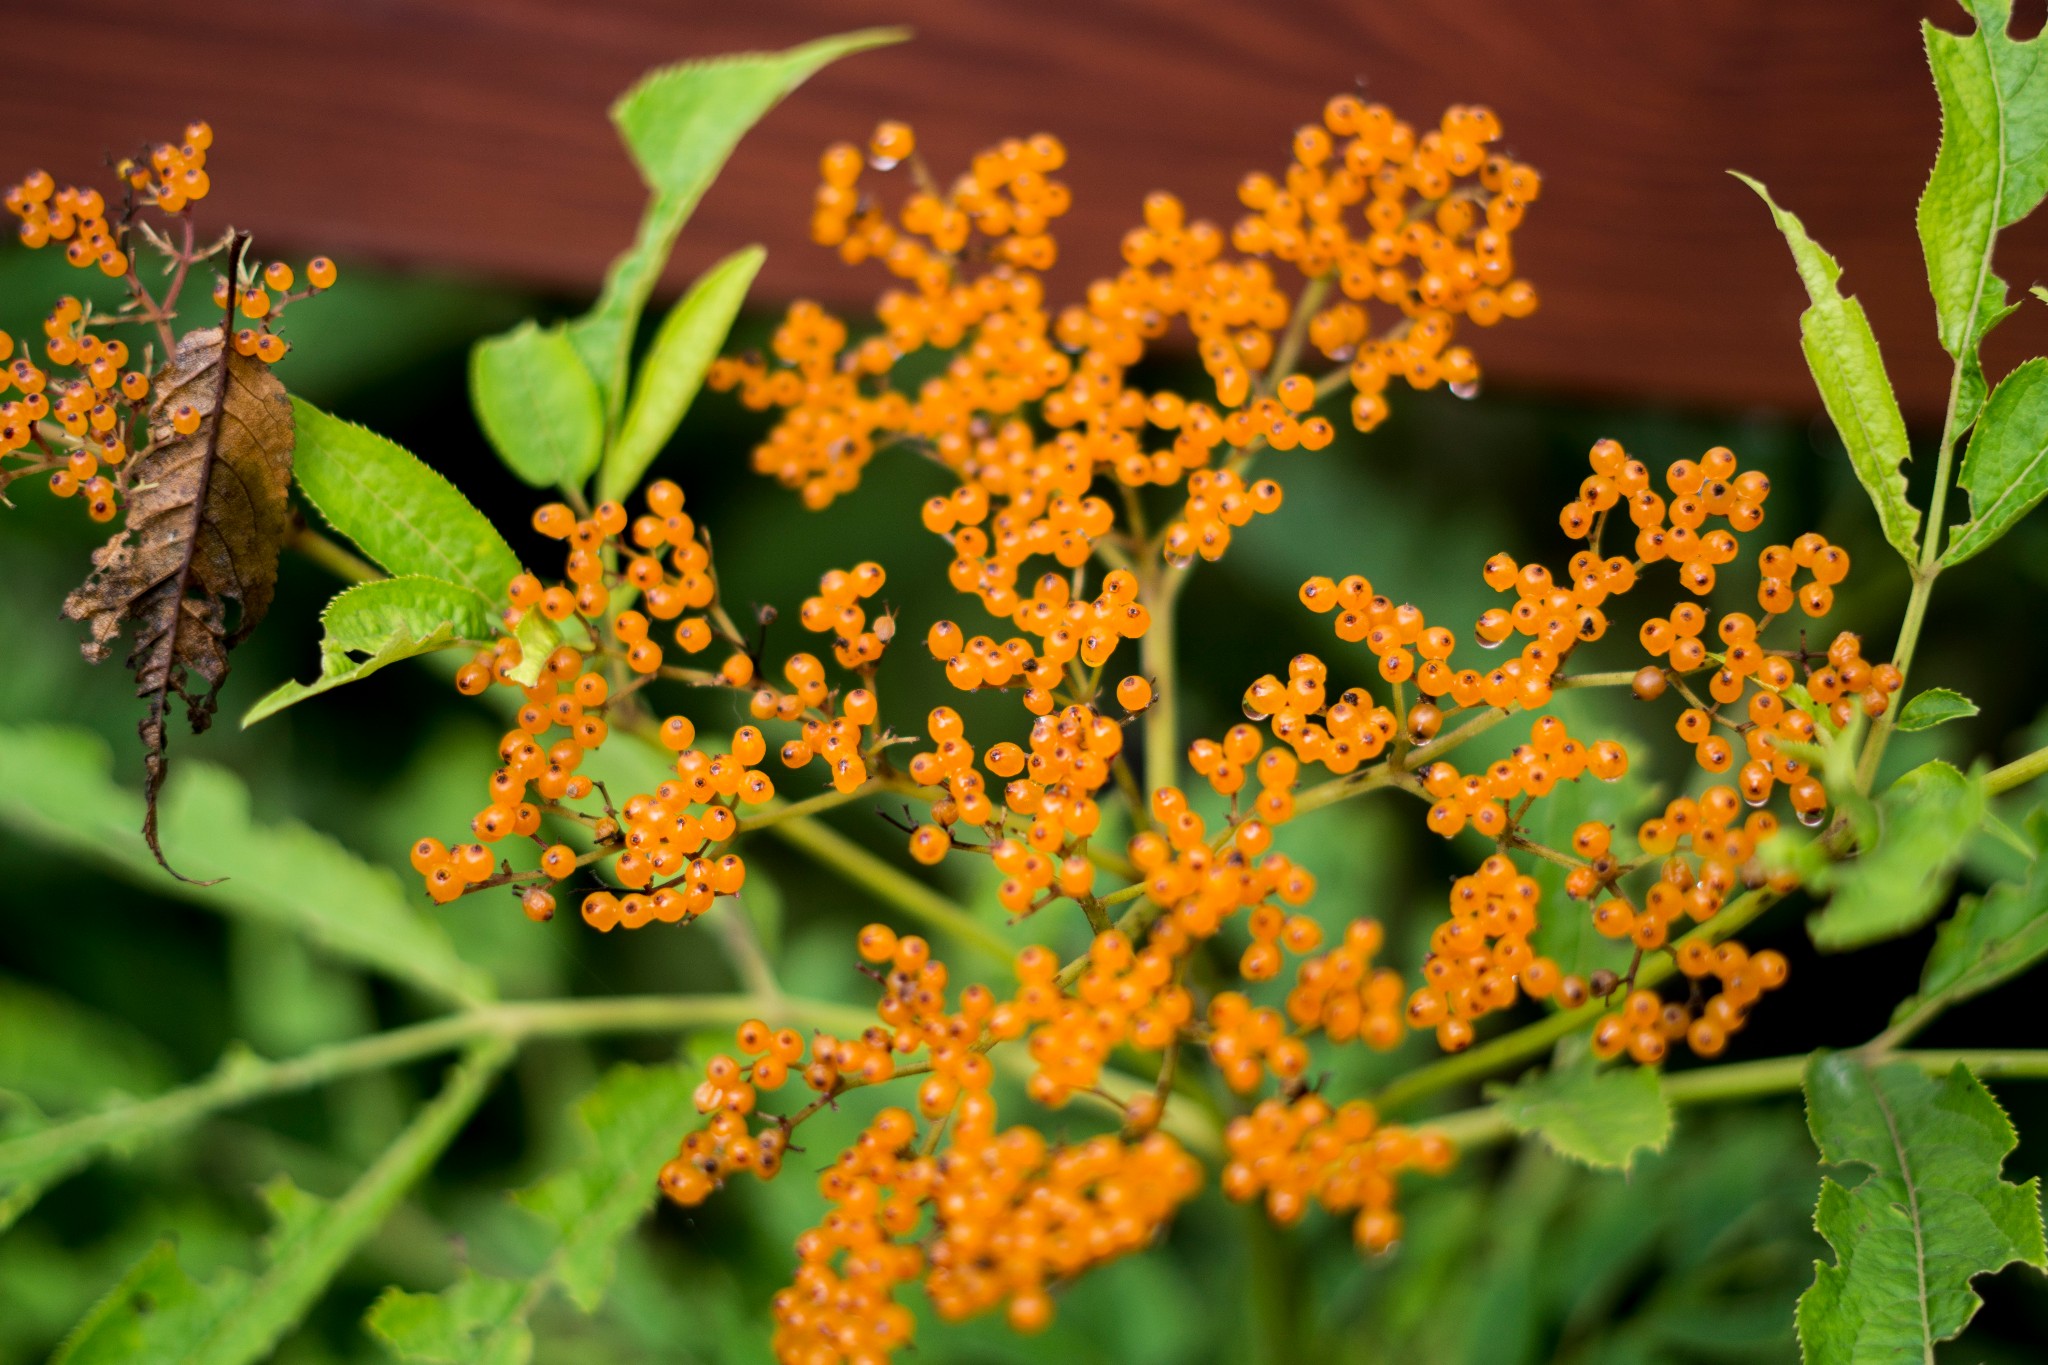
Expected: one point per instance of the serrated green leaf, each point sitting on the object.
(2005, 465)
(1935, 706)
(1898, 881)
(1932, 1215)
(680, 123)
(538, 404)
(159, 1313)
(64, 1056)
(674, 367)
(1991, 171)
(474, 1321)
(56, 787)
(374, 624)
(406, 517)
(630, 1125)
(632, 1121)
(1598, 1116)
(1989, 940)
(1841, 350)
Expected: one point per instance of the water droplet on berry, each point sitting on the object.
(885, 163)
(1180, 561)
(1810, 818)
(1485, 643)
(1468, 389)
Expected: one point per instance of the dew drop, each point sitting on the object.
(1468, 389)
(1810, 818)
(1180, 561)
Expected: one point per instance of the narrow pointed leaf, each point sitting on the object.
(159, 1313)
(375, 624)
(1932, 1214)
(538, 404)
(1841, 350)
(680, 123)
(1991, 172)
(1935, 706)
(403, 515)
(674, 368)
(2005, 466)
(1895, 885)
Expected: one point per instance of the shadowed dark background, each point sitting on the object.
(455, 157)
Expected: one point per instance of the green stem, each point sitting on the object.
(2017, 773)
(1924, 574)
(1156, 657)
(810, 805)
(334, 557)
(291, 1283)
(1483, 1126)
(891, 884)
(242, 1078)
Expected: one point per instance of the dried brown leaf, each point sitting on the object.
(207, 515)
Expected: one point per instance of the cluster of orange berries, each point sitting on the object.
(1435, 242)
(1340, 735)
(1304, 1151)
(71, 215)
(1480, 960)
(1342, 995)
(101, 409)
(1010, 1214)
(1123, 997)
(1532, 770)
(1646, 1026)
(664, 840)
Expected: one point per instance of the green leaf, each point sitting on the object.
(674, 367)
(63, 1055)
(1989, 940)
(2005, 465)
(538, 405)
(1596, 1116)
(56, 787)
(680, 123)
(405, 516)
(1897, 883)
(630, 1124)
(475, 1321)
(1932, 1215)
(379, 623)
(159, 1313)
(1841, 350)
(1991, 172)
(1935, 706)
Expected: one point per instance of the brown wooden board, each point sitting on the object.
(470, 135)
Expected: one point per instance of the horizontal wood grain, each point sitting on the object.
(470, 135)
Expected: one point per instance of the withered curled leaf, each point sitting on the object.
(207, 515)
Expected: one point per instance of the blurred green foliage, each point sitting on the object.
(1696, 1254)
